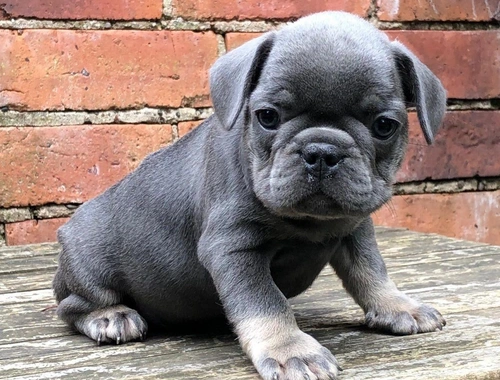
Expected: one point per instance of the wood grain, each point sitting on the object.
(459, 278)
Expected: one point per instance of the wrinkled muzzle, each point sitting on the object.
(320, 173)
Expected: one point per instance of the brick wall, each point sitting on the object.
(88, 88)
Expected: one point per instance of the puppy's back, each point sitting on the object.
(148, 213)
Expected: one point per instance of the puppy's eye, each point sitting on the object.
(268, 118)
(383, 128)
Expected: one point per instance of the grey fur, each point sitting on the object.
(234, 219)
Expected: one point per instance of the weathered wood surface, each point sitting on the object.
(459, 278)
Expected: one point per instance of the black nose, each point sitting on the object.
(321, 159)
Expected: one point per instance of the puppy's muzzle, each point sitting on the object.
(321, 159)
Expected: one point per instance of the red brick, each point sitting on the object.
(438, 10)
(71, 163)
(82, 9)
(256, 9)
(468, 145)
(467, 62)
(64, 69)
(233, 40)
(470, 216)
(33, 231)
(187, 126)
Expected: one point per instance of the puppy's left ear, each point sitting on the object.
(235, 75)
(422, 88)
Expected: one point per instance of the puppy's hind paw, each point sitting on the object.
(115, 324)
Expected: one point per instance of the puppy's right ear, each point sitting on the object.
(422, 88)
(235, 75)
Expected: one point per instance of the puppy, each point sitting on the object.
(244, 212)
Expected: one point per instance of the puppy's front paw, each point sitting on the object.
(296, 357)
(114, 324)
(405, 316)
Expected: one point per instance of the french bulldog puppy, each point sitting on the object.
(310, 127)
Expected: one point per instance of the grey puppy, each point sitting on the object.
(309, 129)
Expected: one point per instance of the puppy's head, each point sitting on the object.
(322, 105)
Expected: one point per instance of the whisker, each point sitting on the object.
(392, 209)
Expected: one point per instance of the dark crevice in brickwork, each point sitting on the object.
(473, 104)
(2, 235)
(439, 25)
(455, 185)
(47, 211)
(495, 103)
(372, 14)
(53, 210)
(3, 13)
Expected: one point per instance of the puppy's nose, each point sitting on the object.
(321, 159)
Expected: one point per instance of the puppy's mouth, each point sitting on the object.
(322, 206)
(350, 190)
(318, 206)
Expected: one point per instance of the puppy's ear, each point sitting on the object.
(421, 88)
(234, 76)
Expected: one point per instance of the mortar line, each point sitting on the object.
(221, 25)
(481, 184)
(13, 118)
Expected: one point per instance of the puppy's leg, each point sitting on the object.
(261, 315)
(360, 266)
(103, 319)
(115, 323)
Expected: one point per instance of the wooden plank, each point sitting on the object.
(459, 278)
(29, 264)
(411, 244)
(404, 254)
(26, 296)
(357, 350)
(313, 314)
(8, 253)
(324, 303)
(433, 283)
(26, 281)
(420, 244)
